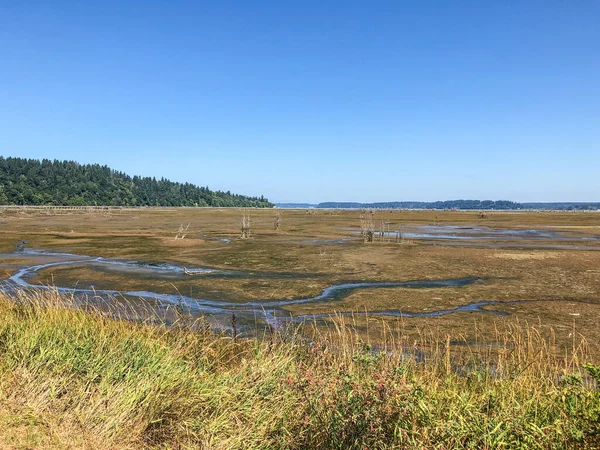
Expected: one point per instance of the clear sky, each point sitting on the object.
(313, 101)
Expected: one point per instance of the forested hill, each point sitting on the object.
(33, 182)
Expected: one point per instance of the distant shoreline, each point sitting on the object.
(450, 205)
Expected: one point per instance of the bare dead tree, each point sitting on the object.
(182, 233)
(399, 236)
(367, 225)
(277, 221)
(245, 225)
(384, 231)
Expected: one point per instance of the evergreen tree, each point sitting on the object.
(33, 182)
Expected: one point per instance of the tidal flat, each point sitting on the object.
(540, 268)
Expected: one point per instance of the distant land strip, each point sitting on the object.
(502, 205)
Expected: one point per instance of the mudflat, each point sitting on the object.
(537, 267)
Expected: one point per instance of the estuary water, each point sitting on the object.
(268, 311)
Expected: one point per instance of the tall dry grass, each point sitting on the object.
(75, 378)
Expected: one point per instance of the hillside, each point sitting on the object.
(34, 182)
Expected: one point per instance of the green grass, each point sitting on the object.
(76, 379)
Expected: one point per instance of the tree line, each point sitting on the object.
(447, 204)
(33, 182)
(463, 205)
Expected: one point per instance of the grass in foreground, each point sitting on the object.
(71, 379)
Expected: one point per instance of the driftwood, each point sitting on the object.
(181, 234)
(187, 272)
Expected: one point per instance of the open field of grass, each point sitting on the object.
(84, 379)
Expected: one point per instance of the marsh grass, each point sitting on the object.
(73, 377)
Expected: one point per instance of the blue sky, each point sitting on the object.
(313, 101)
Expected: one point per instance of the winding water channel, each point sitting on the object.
(268, 310)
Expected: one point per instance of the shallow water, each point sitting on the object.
(470, 307)
(483, 237)
(250, 314)
(266, 310)
(517, 246)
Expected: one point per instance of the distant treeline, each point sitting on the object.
(566, 206)
(34, 182)
(451, 204)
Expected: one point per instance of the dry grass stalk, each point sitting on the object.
(75, 375)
